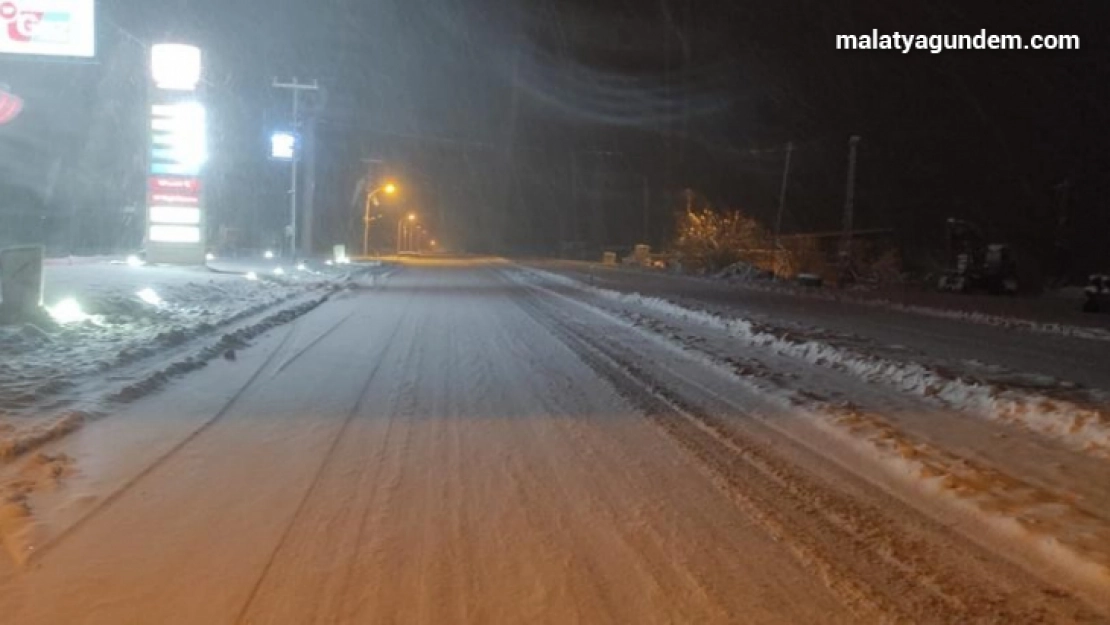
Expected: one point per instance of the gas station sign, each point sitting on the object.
(178, 151)
(48, 27)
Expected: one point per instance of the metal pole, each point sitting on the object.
(400, 224)
(782, 205)
(293, 185)
(366, 226)
(574, 221)
(308, 209)
(296, 87)
(849, 205)
(366, 184)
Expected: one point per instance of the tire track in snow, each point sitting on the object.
(326, 461)
(218, 416)
(114, 496)
(875, 566)
(376, 484)
(1016, 497)
(300, 352)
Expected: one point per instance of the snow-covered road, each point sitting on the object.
(471, 442)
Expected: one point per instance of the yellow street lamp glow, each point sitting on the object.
(412, 216)
(390, 188)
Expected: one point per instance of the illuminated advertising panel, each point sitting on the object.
(175, 66)
(283, 146)
(48, 27)
(178, 151)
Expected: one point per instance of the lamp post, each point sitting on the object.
(388, 189)
(411, 218)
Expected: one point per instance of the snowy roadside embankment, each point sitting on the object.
(1081, 422)
(1046, 500)
(1006, 321)
(132, 328)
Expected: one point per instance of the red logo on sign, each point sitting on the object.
(189, 186)
(21, 24)
(10, 107)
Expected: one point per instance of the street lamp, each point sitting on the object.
(389, 189)
(411, 218)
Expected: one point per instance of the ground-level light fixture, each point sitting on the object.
(67, 311)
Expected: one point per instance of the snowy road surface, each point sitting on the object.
(466, 442)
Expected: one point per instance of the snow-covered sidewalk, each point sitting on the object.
(117, 324)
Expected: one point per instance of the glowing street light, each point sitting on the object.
(411, 218)
(389, 189)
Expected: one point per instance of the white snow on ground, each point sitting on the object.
(1014, 323)
(127, 315)
(1084, 425)
(452, 449)
(1012, 506)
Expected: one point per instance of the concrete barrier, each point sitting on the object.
(21, 283)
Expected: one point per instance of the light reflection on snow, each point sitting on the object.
(67, 311)
(151, 297)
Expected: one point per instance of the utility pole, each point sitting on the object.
(647, 209)
(574, 221)
(849, 207)
(307, 238)
(782, 204)
(1061, 253)
(296, 87)
(368, 185)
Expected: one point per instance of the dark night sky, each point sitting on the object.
(480, 107)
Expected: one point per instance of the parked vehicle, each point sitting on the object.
(976, 265)
(1097, 293)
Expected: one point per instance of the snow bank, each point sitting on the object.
(1046, 524)
(1011, 323)
(131, 319)
(1082, 425)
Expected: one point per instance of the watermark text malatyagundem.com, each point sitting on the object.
(936, 44)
